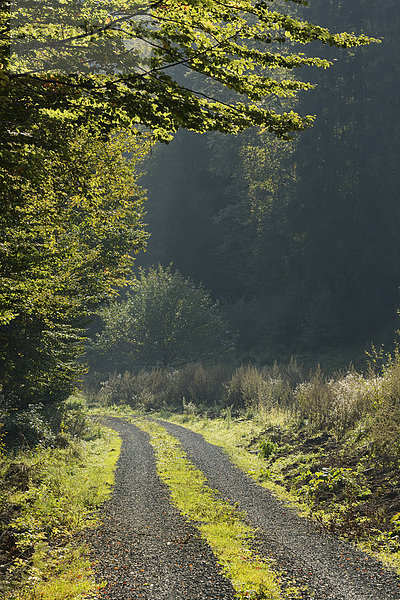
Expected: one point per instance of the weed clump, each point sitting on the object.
(340, 404)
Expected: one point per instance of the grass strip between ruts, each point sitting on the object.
(220, 523)
(233, 438)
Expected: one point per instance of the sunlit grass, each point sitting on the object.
(64, 487)
(220, 523)
(233, 436)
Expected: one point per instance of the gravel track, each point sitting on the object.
(331, 568)
(144, 549)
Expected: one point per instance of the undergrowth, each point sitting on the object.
(329, 443)
(47, 496)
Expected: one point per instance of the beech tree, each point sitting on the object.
(125, 61)
(70, 223)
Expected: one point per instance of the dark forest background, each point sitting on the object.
(299, 242)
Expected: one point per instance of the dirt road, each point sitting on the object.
(145, 549)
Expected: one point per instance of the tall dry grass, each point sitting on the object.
(339, 403)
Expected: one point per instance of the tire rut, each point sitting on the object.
(144, 549)
(331, 568)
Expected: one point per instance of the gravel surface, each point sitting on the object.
(144, 548)
(331, 568)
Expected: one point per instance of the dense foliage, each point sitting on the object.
(113, 61)
(79, 84)
(164, 320)
(70, 220)
(298, 241)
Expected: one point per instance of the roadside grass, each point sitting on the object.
(220, 523)
(341, 486)
(47, 496)
(345, 483)
(235, 436)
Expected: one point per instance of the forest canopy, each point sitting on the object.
(131, 62)
(82, 87)
(299, 242)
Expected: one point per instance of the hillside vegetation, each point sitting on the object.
(262, 244)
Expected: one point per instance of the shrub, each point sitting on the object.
(353, 399)
(314, 400)
(338, 403)
(246, 388)
(27, 426)
(201, 386)
(74, 420)
(276, 392)
(91, 386)
(385, 425)
(267, 448)
(280, 382)
(154, 388)
(207, 385)
(178, 389)
(157, 388)
(119, 389)
(189, 410)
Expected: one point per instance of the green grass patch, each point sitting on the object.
(339, 487)
(47, 496)
(234, 436)
(342, 484)
(220, 523)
